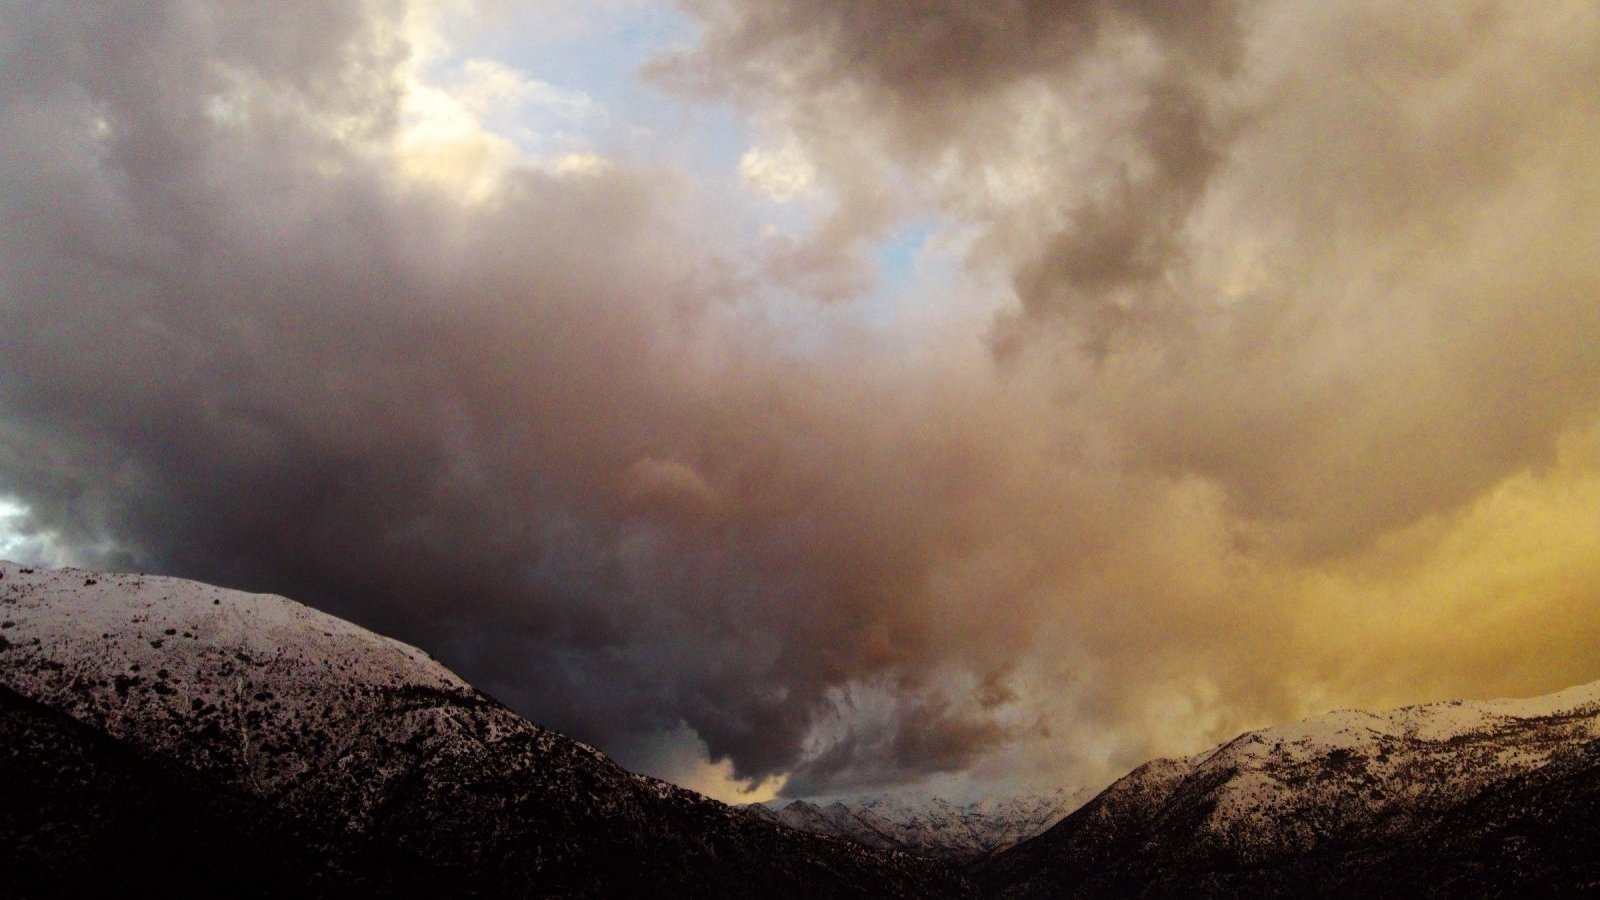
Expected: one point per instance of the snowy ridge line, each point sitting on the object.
(384, 773)
(1342, 804)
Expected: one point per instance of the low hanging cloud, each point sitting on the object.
(1296, 319)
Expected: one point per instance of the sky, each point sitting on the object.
(814, 398)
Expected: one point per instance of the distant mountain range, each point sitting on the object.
(159, 736)
(927, 825)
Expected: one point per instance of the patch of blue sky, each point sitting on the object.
(899, 255)
(905, 260)
(592, 57)
(598, 52)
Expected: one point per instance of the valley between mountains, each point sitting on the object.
(161, 736)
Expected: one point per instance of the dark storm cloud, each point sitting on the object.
(535, 435)
(932, 61)
(921, 737)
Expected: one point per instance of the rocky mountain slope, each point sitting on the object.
(159, 734)
(926, 825)
(1452, 798)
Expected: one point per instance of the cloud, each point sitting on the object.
(1115, 151)
(1098, 117)
(1296, 329)
(783, 175)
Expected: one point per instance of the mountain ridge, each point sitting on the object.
(378, 756)
(245, 744)
(1349, 801)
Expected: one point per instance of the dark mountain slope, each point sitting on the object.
(347, 762)
(163, 737)
(1446, 799)
(1536, 834)
(82, 814)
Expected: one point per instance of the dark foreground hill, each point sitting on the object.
(159, 736)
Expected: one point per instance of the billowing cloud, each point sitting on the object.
(1377, 165)
(1284, 395)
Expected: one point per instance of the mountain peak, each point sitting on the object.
(395, 774)
(1353, 802)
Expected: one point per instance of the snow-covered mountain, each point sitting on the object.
(163, 736)
(154, 728)
(1453, 798)
(928, 825)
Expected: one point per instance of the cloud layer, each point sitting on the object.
(1280, 392)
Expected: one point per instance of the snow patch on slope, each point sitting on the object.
(1291, 788)
(279, 699)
